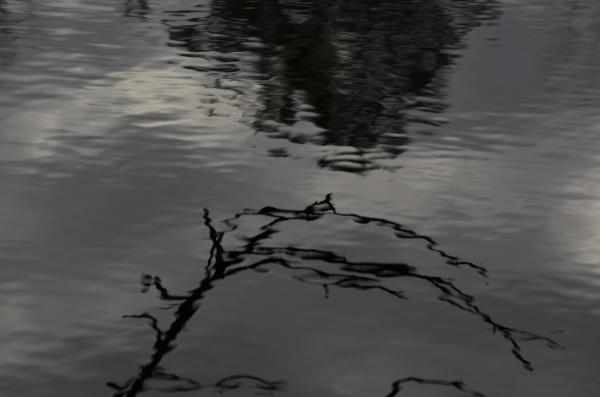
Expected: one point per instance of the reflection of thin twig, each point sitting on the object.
(215, 270)
(340, 273)
(182, 384)
(458, 385)
(164, 293)
(326, 207)
(450, 292)
(153, 324)
(235, 381)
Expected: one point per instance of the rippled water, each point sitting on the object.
(166, 224)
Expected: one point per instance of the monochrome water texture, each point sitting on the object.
(179, 142)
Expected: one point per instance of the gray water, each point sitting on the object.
(159, 162)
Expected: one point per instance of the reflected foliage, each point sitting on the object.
(309, 265)
(349, 74)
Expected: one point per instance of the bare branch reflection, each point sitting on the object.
(182, 384)
(458, 385)
(312, 266)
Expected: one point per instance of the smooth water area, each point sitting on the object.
(300, 198)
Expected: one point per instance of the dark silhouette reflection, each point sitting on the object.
(357, 71)
(308, 265)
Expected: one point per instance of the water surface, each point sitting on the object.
(159, 162)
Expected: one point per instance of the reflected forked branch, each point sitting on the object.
(183, 384)
(458, 385)
(326, 207)
(369, 275)
(164, 340)
(312, 266)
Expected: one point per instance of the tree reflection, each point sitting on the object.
(307, 265)
(359, 71)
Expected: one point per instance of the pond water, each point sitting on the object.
(299, 198)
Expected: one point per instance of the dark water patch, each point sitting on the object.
(278, 152)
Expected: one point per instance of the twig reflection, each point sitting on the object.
(458, 385)
(339, 272)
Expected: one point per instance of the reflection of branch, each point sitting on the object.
(374, 272)
(186, 384)
(337, 271)
(450, 294)
(164, 342)
(326, 207)
(153, 324)
(149, 281)
(458, 385)
(235, 381)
